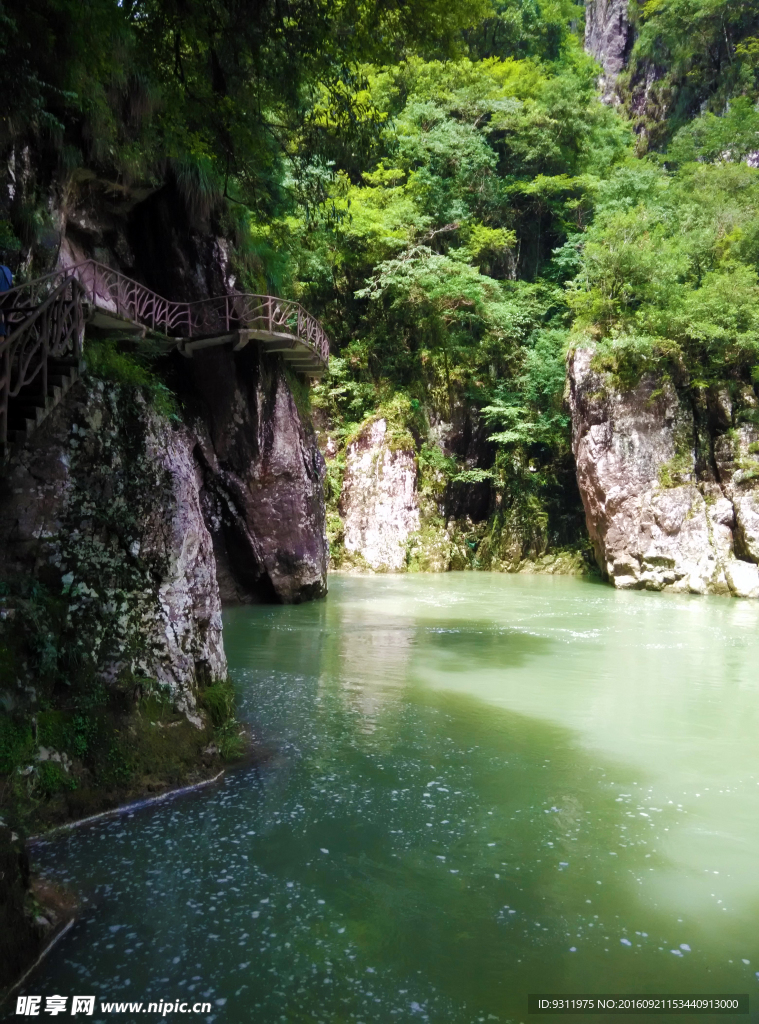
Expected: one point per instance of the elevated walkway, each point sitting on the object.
(45, 322)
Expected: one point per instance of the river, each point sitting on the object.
(482, 786)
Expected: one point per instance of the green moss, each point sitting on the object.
(16, 744)
(107, 360)
(229, 740)
(301, 392)
(677, 471)
(429, 548)
(52, 779)
(158, 751)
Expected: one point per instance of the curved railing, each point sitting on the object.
(45, 318)
(115, 293)
(34, 334)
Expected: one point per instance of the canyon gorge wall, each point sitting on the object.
(148, 509)
(397, 508)
(609, 37)
(145, 522)
(670, 487)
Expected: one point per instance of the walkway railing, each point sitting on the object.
(45, 319)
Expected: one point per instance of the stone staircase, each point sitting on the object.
(29, 409)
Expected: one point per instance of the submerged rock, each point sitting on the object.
(379, 505)
(658, 514)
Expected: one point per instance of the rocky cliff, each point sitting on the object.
(670, 486)
(379, 504)
(125, 521)
(261, 475)
(127, 514)
(258, 467)
(399, 504)
(103, 506)
(609, 38)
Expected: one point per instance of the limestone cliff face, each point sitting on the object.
(103, 504)
(379, 504)
(261, 476)
(609, 38)
(671, 499)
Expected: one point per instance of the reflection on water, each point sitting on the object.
(485, 786)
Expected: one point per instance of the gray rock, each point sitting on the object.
(608, 38)
(379, 503)
(655, 522)
(102, 479)
(261, 477)
(739, 476)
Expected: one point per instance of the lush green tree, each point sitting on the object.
(669, 273)
(438, 270)
(691, 55)
(223, 90)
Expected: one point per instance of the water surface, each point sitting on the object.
(483, 786)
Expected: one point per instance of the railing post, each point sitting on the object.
(226, 309)
(269, 313)
(45, 353)
(4, 395)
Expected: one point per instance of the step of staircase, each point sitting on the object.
(27, 411)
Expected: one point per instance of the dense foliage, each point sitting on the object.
(442, 186)
(437, 272)
(669, 277)
(221, 91)
(690, 56)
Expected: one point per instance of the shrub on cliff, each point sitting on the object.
(670, 274)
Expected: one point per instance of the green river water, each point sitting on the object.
(483, 786)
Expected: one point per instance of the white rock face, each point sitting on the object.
(653, 524)
(379, 504)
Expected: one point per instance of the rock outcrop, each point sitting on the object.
(396, 505)
(671, 498)
(262, 477)
(609, 38)
(260, 469)
(103, 505)
(378, 504)
(146, 525)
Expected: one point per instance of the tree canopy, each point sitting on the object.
(442, 185)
